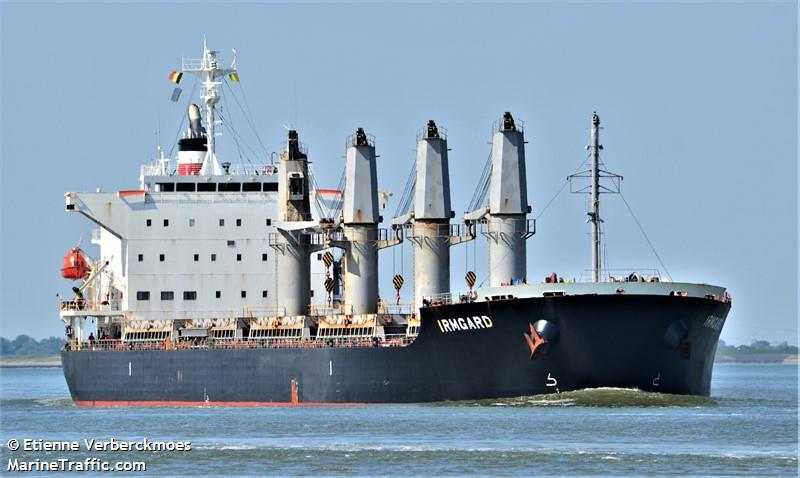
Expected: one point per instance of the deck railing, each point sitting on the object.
(265, 343)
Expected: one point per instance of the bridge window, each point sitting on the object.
(143, 295)
(167, 295)
(270, 187)
(189, 295)
(185, 187)
(206, 187)
(229, 187)
(165, 187)
(251, 187)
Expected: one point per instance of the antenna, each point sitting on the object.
(595, 188)
(210, 72)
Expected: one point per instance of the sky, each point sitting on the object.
(698, 102)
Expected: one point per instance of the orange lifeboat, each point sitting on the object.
(74, 266)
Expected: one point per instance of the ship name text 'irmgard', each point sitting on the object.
(465, 323)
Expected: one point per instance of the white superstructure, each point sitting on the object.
(194, 245)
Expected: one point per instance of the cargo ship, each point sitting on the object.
(248, 285)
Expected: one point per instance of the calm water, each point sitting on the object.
(749, 427)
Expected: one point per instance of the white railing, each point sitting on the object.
(268, 311)
(405, 308)
(321, 310)
(624, 275)
(170, 168)
(88, 306)
(437, 299)
(194, 64)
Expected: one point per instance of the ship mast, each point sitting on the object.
(211, 75)
(594, 214)
(596, 186)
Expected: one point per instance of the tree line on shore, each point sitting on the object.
(26, 346)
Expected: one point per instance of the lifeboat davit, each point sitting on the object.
(74, 266)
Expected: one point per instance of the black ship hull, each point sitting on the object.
(463, 352)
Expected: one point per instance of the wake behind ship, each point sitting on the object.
(221, 284)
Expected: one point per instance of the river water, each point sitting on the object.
(748, 427)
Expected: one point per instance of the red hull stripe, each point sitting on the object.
(131, 192)
(169, 403)
(328, 191)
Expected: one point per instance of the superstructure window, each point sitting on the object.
(221, 222)
(185, 187)
(141, 257)
(264, 257)
(165, 187)
(238, 223)
(270, 187)
(218, 294)
(319, 256)
(213, 257)
(189, 295)
(206, 187)
(296, 187)
(167, 295)
(229, 187)
(191, 222)
(269, 222)
(166, 222)
(143, 295)
(264, 294)
(251, 187)
(238, 257)
(196, 257)
(244, 294)
(161, 257)
(149, 222)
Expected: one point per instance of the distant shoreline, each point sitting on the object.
(55, 360)
(38, 361)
